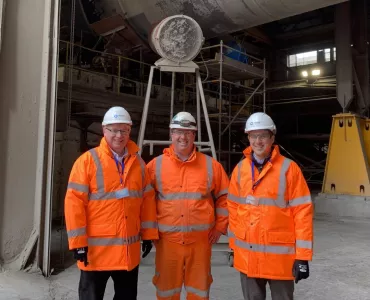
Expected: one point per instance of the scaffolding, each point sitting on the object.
(224, 70)
(227, 68)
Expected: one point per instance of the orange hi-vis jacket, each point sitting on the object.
(271, 216)
(109, 215)
(191, 196)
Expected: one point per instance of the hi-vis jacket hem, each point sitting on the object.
(106, 215)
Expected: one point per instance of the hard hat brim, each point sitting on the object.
(116, 122)
(272, 129)
(177, 126)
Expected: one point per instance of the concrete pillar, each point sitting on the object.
(27, 98)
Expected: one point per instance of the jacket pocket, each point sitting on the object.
(281, 237)
(202, 212)
(102, 230)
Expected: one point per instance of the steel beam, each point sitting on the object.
(344, 54)
(360, 53)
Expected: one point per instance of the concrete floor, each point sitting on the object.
(340, 270)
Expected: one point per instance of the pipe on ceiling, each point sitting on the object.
(216, 17)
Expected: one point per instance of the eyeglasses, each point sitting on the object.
(182, 132)
(262, 136)
(116, 131)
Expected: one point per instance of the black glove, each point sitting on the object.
(301, 270)
(146, 247)
(81, 255)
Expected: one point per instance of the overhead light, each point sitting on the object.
(316, 72)
(304, 73)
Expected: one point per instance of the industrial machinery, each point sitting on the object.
(129, 22)
(178, 40)
(346, 185)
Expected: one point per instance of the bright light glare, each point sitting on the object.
(304, 73)
(316, 72)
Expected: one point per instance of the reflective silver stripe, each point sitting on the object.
(282, 183)
(189, 228)
(99, 171)
(200, 293)
(272, 202)
(261, 201)
(280, 201)
(122, 193)
(303, 244)
(240, 200)
(265, 248)
(148, 188)
(119, 194)
(168, 293)
(230, 233)
(223, 192)
(76, 232)
(239, 175)
(181, 196)
(222, 212)
(92, 241)
(300, 201)
(158, 170)
(209, 172)
(83, 188)
(142, 165)
(147, 225)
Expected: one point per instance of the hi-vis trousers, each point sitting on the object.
(178, 264)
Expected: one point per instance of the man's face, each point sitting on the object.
(117, 136)
(182, 140)
(261, 142)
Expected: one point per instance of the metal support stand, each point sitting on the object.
(167, 66)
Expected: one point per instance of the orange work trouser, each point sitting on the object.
(178, 264)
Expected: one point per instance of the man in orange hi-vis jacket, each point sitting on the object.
(271, 215)
(109, 207)
(192, 213)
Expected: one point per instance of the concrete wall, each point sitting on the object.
(21, 75)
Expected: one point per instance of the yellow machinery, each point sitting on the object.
(346, 185)
(347, 170)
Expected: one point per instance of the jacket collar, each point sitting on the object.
(275, 152)
(172, 154)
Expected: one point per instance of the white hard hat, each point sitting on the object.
(183, 120)
(258, 121)
(116, 115)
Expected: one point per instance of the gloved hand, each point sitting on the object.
(146, 247)
(81, 255)
(301, 270)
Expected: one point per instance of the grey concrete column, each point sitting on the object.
(27, 99)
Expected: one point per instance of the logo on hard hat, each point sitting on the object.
(117, 116)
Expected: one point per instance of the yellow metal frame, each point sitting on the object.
(347, 170)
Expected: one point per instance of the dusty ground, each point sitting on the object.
(340, 270)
